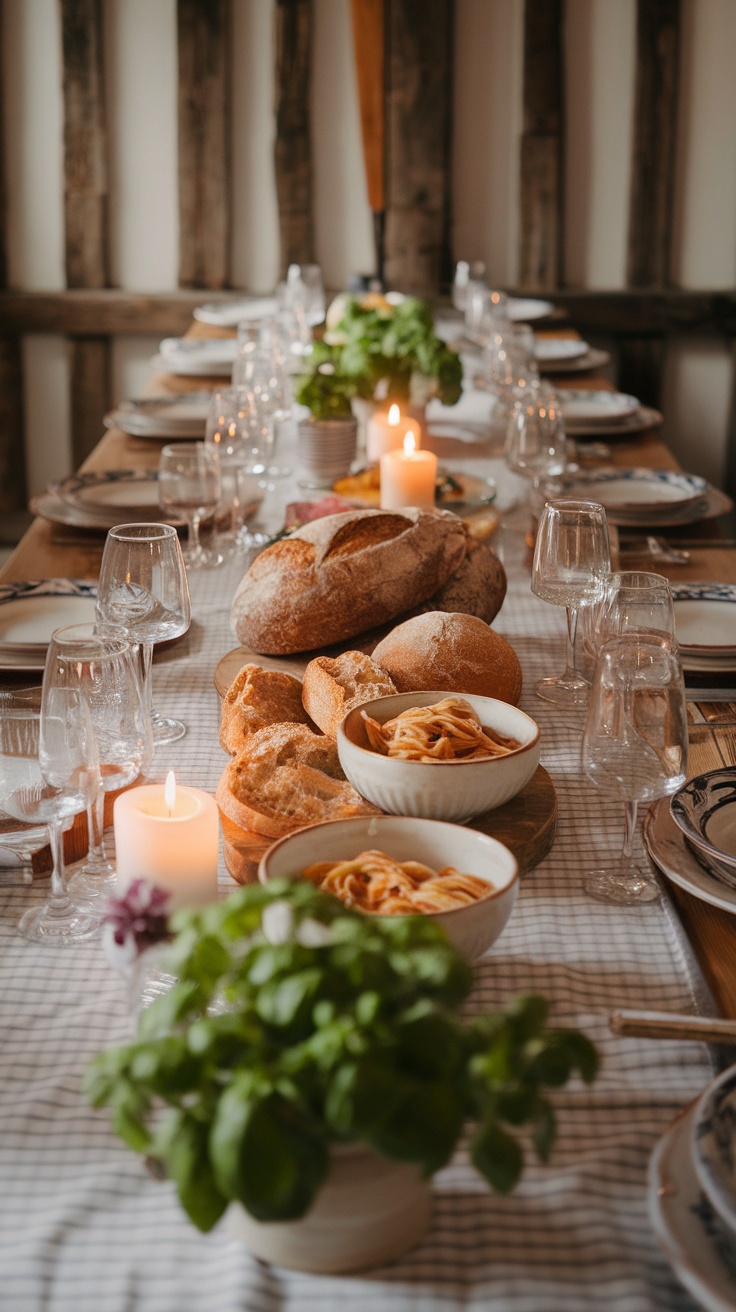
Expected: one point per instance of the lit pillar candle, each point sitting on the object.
(168, 835)
(385, 432)
(408, 477)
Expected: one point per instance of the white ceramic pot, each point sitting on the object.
(326, 449)
(369, 1211)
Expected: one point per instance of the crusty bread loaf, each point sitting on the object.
(256, 698)
(477, 586)
(343, 574)
(286, 777)
(450, 653)
(333, 685)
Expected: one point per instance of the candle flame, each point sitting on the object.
(394, 415)
(410, 443)
(170, 791)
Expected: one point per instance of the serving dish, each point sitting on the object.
(698, 1248)
(445, 790)
(472, 928)
(713, 1145)
(704, 810)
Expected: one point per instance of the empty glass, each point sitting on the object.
(571, 563)
(101, 662)
(536, 446)
(49, 771)
(189, 485)
(143, 586)
(509, 364)
(484, 307)
(634, 746)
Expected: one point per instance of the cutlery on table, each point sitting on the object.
(670, 1025)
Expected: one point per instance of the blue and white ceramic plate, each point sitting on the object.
(643, 496)
(666, 845)
(30, 612)
(705, 617)
(697, 1245)
(704, 809)
(714, 1145)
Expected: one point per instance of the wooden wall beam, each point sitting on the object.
(655, 122)
(89, 368)
(729, 473)
(293, 146)
(85, 145)
(12, 456)
(540, 255)
(205, 48)
(419, 59)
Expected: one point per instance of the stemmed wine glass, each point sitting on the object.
(143, 586)
(49, 771)
(634, 745)
(536, 445)
(572, 559)
(243, 443)
(189, 484)
(100, 662)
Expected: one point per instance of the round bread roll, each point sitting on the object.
(449, 652)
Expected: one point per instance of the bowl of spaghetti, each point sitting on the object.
(444, 756)
(400, 865)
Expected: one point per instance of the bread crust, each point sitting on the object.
(451, 652)
(333, 685)
(287, 777)
(477, 587)
(255, 699)
(344, 574)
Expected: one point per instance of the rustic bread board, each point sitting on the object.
(526, 825)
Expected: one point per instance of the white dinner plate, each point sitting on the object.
(579, 406)
(631, 425)
(30, 612)
(182, 416)
(100, 501)
(696, 1244)
(642, 496)
(592, 359)
(558, 350)
(196, 358)
(669, 852)
(705, 617)
(228, 314)
(523, 309)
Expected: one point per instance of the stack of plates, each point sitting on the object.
(211, 357)
(523, 309)
(30, 612)
(705, 618)
(614, 414)
(100, 501)
(163, 417)
(692, 1195)
(655, 498)
(228, 314)
(567, 355)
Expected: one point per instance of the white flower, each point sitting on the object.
(277, 923)
(313, 934)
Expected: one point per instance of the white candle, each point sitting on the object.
(385, 432)
(408, 477)
(170, 838)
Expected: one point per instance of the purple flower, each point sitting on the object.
(135, 921)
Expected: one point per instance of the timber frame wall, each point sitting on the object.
(409, 43)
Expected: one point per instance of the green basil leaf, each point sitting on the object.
(188, 1164)
(288, 1002)
(545, 1130)
(496, 1156)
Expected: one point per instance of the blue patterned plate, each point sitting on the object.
(30, 612)
(705, 617)
(714, 1145)
(704, 810)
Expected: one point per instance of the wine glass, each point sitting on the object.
(536, 446)
(101, 662)
(509, 364)
(189, 485)
(634, 745)
(571, 562)
(143, 586)
(49, 771)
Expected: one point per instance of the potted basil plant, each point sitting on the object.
(311, 1067)
(327, 439)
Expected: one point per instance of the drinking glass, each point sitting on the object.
(635, 601)
(460, 285)
(100, 662)
(189, 485)
(536, 446)
(571, 562)
(49, 771)
(509, 364)
(634, 746)
(143, 586)
(483, 308)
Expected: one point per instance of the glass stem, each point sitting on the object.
(571, 674)
(630, 830)
(96, 828)
(193, 532)
(58, 874)
(146, 660)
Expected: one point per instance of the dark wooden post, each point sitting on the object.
(370, 65)
(540, 259)
(205, 99)
(419, 54)
(85, 208)
(293, 147)
(12, 455)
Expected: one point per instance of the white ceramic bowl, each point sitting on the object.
(472, 928)
(704, 810)
(438, 790)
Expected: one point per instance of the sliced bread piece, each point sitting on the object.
(287, 777)
(255, 699)
(333, 685)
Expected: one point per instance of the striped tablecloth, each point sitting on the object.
(83, 1228)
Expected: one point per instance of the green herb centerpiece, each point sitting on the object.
(296, 1025)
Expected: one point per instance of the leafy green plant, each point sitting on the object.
(325, 389)
(296, 1024)
(395, 348)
